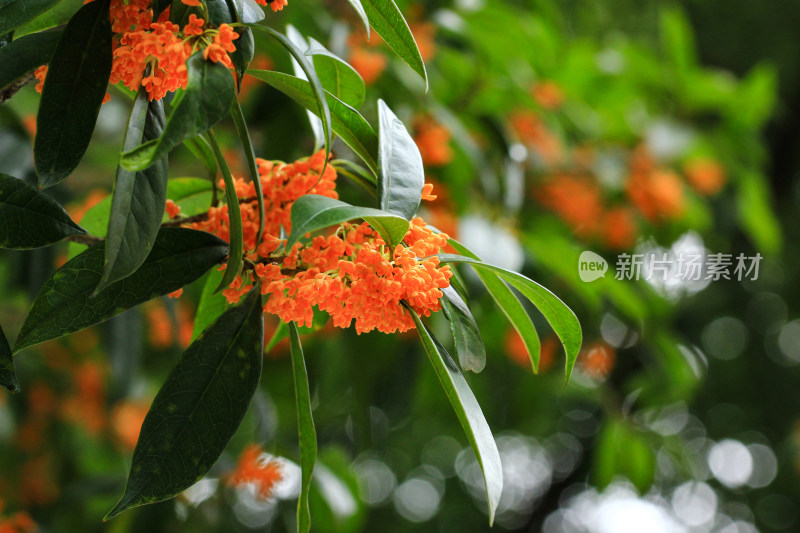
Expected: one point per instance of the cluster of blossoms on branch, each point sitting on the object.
(351, 274)
(153, 54)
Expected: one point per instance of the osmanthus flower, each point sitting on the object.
(275, 5)
(153, 54)
(351, 273)
(251, 469)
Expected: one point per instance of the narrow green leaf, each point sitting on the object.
(205, 101)
(313, 120)
(211, 304)
(64, 305)
(508, 302)
(313, 212)
(199, 407)
(336, 75)
(466, 335)
(8, 378)
(236, 253)
(305, 428)
(247, 11)
(319, 93)
(15, 13)
(400, 172)
(362, 14)
(138, 203)
(31, 219)
(561, 318)
(252, 167)
(386, 19)
(348, 124)
(73, 92)
(468, 411)
(26, 54)
(203, 152)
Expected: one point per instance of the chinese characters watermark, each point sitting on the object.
(664, 266)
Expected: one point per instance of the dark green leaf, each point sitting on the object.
(323, 111)
(73, 92)
(15, 13)
(346, 121)
(139, 197)
(219, 12)
(468, 411)
(400, 172)
(305, 428)
(247, 11)
(236, 252)
(509, 304)
(159, 6)
(64, 305)
(336, 75)
(206, 100)
(211, 305)
(313, 212)
(59, 15)
(243, 55)
(199, 407)
(8, 378)
(561, 318)
(466, 335)
(31, 219)
(386, 19)
(26, 54)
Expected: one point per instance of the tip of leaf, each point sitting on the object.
(10, 382)
(121, 506)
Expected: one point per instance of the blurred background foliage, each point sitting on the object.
(550, 128)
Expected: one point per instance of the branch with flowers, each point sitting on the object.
(281, 241)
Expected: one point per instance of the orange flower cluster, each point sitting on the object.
(353, 275)
(282, 184)
(532, 131)
(548, 94)
(433, 141)
(657, 192)
(706, 176)
(163, 46)
(127, 418)
(275, 5)
(252, 469)
(597, 360)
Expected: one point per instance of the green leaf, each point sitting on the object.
(621, 450)
(139, 197)
(324, 111)
(252, 167)
(199, 407)
(305, 427)
(204, 154)
(247, 11)
(31, 219)
(348, 124)
(468, 411)
(400, 172)
(313, 212)
(192, 194)
(58, 15)
(73, 92)
(561, 318)
(509, 304)
(15, 13)
(26, 54)
(236, 252)
(336, 75)
(466, 335)
(211, 304)
(65, 305)
(362, 14)
(386, 19)
(8, 377)
(205, 101)
(315, 122)
(756, 214)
